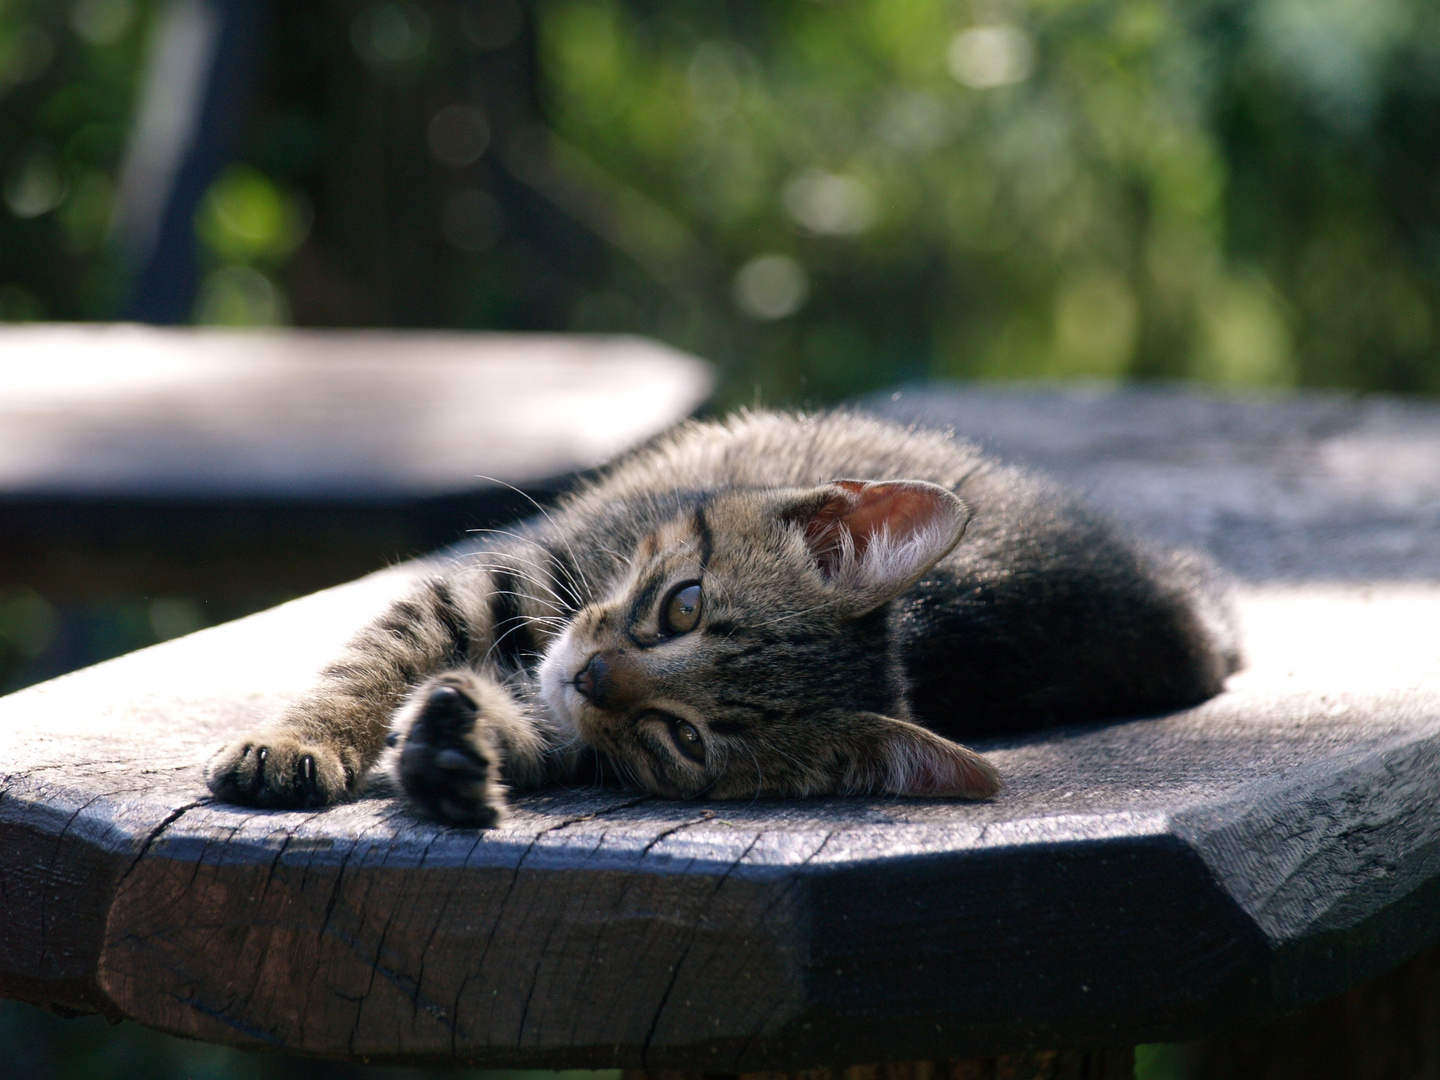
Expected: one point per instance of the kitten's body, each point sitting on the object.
(827, 615)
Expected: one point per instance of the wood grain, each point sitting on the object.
(1151, 880)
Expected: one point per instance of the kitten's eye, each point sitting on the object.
(687, 740)
(680, 613)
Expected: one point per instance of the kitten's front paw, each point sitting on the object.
(448, 766)
(279, 769)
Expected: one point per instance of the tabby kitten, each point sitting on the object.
(773, 605)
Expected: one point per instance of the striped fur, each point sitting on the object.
(849, 632)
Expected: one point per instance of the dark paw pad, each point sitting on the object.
(441, 768)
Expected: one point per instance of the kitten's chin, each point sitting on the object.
(562, 700)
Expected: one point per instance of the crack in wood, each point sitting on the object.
(708, 815)
(785, 890)
(226, 1018)
(510, 888)
(435, 927)
(550, 933)
(690, 941)
(375, 965)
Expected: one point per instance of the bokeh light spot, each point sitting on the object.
(240, 296)
(1096, 322)
(245, 217)
(102, 22)
(36, 187)
(771, 287)
(828, 204)
(986, 57)
(391, 35)
(1245, 339)
(717, 75)
(28, 623)
(172, 617)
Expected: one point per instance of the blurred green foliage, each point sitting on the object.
(1235, 192)
(246, 224)
(1164, 1061)
(823, 195)
(67, 78)
(42, 637)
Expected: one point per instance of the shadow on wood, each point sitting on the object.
(1113, 1063)
(1385, 1029)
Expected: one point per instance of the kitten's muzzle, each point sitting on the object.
(608, 681)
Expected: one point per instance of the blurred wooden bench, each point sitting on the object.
(1157, 880)
(222, 464)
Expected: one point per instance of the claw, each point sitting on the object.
(257, 779)
(305, 782)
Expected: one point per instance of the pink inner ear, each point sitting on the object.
(822, 534)
(901, 509)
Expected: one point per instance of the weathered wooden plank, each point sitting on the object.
(1300, 488)
(228, 465)
(110, 410)
(1156, 879)
(604, 927)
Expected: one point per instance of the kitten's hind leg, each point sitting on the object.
(464, 741)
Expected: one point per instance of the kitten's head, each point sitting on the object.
(746, 652)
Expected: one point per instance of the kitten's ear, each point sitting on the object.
(878, 537)
(902, 758)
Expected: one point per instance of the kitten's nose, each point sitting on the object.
(607, 681)
(591, 680)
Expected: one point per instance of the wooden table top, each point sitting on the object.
(1150, 880)
(107, 410)
(228, 465)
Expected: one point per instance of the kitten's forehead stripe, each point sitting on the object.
(640, 607)
(768, 713)
(703, 534)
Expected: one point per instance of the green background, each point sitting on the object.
(822, 196)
